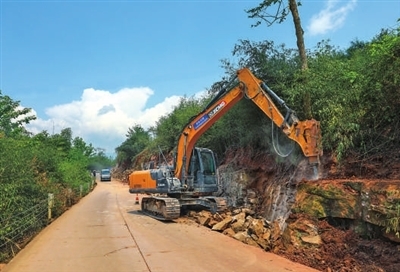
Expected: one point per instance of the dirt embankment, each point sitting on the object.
(347, 220)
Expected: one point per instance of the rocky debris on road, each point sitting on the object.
(241, 225)
(305, 240)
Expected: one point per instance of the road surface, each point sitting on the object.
(106, 232)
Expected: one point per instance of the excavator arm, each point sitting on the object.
(306, 133)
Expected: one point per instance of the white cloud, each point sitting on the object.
(331, 18)
(102, 118)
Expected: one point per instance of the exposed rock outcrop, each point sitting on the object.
(376, 202)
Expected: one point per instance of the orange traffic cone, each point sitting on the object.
(137, 199)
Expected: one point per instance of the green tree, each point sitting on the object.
(137, 140)
(281, 12)
(86, 149)
(63, 140)
(31, 166)
(169, 127)
(279, 16)
(380, 97)
(13, 117)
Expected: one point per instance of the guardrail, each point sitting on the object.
(18, 230)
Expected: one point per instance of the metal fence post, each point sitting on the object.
(50, 204)
(80, 191)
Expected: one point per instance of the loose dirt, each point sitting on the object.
(343, 250)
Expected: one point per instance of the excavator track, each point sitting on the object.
(161, 208)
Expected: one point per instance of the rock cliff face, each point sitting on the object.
(275, 190)
(376, 202)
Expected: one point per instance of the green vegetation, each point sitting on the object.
(354, 93)
(392, 222)
(391, 205)
(31, 167)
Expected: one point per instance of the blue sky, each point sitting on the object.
(100, 67)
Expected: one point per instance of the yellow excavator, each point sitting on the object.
(192, 179)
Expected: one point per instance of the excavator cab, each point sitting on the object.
(202, 173)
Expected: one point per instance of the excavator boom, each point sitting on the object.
(306, 133)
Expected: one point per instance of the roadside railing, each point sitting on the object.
(18, 230)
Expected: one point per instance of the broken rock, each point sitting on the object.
(257, 227)
(220, 226)
(312, 239)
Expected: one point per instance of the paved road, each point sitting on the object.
(105, 232)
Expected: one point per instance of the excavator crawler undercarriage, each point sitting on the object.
(161, 208)
(167, 208)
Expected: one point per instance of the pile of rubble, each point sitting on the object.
(305, 240)
(241, 224)
(244, 223)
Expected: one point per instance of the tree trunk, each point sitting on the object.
(299, 34)
(302, 52)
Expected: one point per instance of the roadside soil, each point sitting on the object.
(343, 250)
